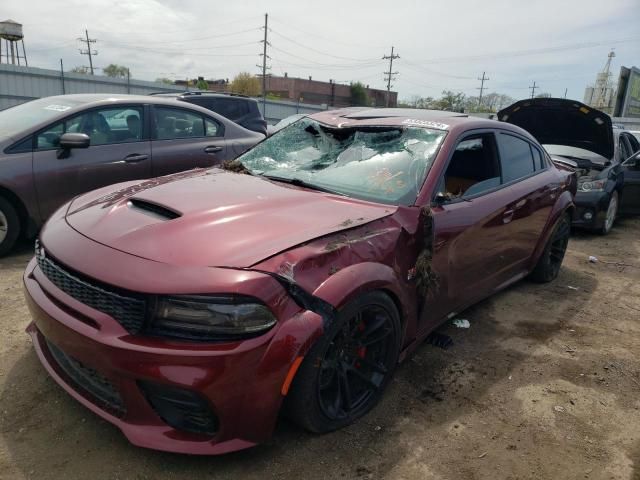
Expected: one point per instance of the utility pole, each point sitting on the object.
(62, 76)
(88, 41)
(533, 89)
(264, 67)
(481, 88)
(390, 74)
(565, 92)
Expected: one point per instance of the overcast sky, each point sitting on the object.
(443, 44)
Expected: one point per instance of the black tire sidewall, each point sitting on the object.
(13, 224)
(543, 271)
(604, 230)
(302, 403)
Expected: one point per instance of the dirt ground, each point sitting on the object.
(545, 384)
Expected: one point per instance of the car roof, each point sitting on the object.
(407, 117)
(86, 98)
(202, 94)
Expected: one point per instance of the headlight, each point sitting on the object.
(210, 318)
(592, 186)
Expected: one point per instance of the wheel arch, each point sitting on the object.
(564, 205)
(355, 280)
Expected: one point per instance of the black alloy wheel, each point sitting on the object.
(550, 261)
(345, 373)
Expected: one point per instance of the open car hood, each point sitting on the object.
(557, 121)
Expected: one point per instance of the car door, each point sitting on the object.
(185, 139)
(119, 151)
(630, 201)
(529, 194)
(467, 253)
(486, 223)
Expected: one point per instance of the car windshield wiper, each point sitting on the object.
(301, 183)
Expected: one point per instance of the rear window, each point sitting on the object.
(231, 108)
(515, 157)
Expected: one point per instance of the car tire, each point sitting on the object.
(611, 214)
(9, 226)
(550, 261)
(341, 379)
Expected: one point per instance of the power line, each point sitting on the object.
(422, 69)
(306, 59)
(390, 74)
(307, 32)
(177, 52)
(533, 89)
(196, 39)
(314, 49)
(481, 88)
(537, 51)
(88, 51)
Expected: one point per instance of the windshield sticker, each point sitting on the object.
(425, 123)
(57, 108)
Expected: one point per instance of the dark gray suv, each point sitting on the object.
(237, 108)
(55, 148)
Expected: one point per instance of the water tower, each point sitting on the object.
(10, 38)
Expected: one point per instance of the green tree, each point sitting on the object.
(359, 95)
(115, 71)
(202, 84)
(246, 84)
(451, 101)
(166, 81)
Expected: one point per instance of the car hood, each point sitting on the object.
(557, 121)
(213, 217)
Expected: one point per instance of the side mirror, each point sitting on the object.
(633, 161)
(440, 198)
(72, 140)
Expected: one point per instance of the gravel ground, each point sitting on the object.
(544, 385)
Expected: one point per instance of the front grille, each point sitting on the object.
(127, 310)
(87, 380)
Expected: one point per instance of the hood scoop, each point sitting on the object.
(153, 209)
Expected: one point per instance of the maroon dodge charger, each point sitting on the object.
(190, 309)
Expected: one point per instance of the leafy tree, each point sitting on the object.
(115, 71)
(166, 81)
(359, 95)
(82, 70)
(202, 84)
(246, 84)
(450, 101)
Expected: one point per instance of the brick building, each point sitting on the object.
(329, 93)
(307, 90)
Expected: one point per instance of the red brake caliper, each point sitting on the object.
(361, 351)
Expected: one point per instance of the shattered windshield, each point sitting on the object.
(381, 164)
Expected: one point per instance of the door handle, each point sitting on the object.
(213, 149)
(507, 216)
(135, 157)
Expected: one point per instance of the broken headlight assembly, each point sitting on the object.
(203, 318)
(592, 186)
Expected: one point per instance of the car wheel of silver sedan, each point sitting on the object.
(612, 212)
(9, 226)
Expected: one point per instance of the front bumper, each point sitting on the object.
(240, 381)
(593, 203)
